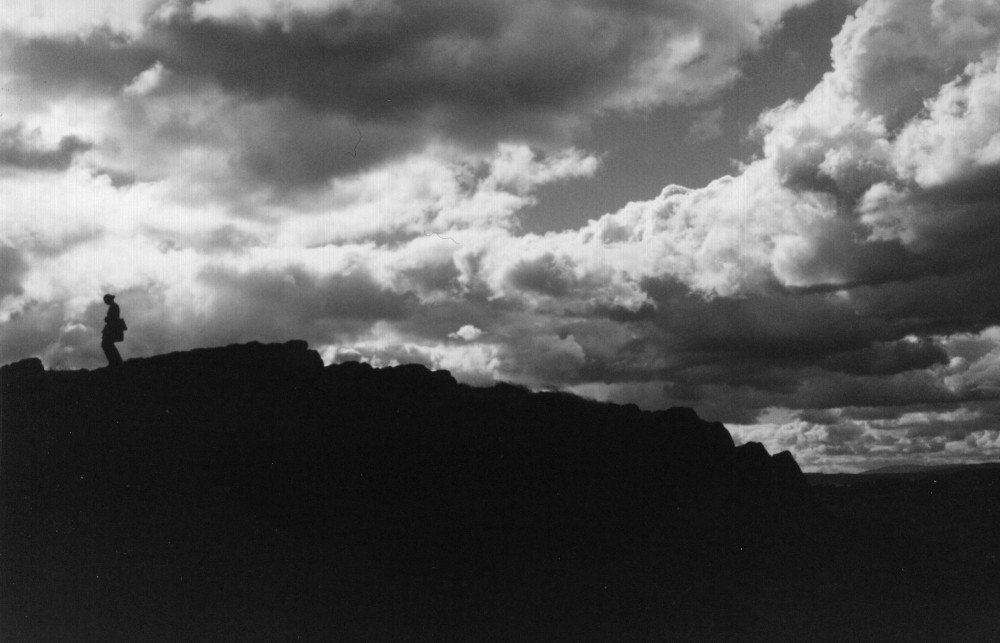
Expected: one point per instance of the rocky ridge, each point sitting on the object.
(248, 492)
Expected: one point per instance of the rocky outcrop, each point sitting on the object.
(249, 491)
(787, 471)
(757, 468)
(26, 368)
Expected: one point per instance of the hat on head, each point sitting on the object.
(108, 298)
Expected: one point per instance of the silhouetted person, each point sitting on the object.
(114, 331)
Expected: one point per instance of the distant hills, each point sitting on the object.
(906, 469)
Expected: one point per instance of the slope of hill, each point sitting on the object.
(250, 493)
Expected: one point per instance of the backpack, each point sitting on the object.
(119, 331)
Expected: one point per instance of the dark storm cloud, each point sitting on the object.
(979, 186)
(22, 150)
(953, 227)
(320, 95)
(877, 413)
(476, 60)
(732, 357)
(370, 62)
(624, 352)
(290, 145)
(779, 327)
(475, 70)
(433, 277)
(887, 358)
(102, 60)
(546, 275)
(835, 390)
(295, 296)
(350, 60)
(310, 94)
(819, 416)
(933, 305)
(12, 268)
(621, 314)
(961, 234)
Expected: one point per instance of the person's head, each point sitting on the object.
(109, 299)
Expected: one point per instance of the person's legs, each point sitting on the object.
(111, 352)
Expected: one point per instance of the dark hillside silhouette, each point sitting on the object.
(249, 493)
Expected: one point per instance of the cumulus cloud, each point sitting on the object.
(893, 55)
(957, 139)
(845, 192)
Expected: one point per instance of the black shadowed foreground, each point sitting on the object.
(247, 493)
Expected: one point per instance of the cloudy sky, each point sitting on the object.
(783, 213)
